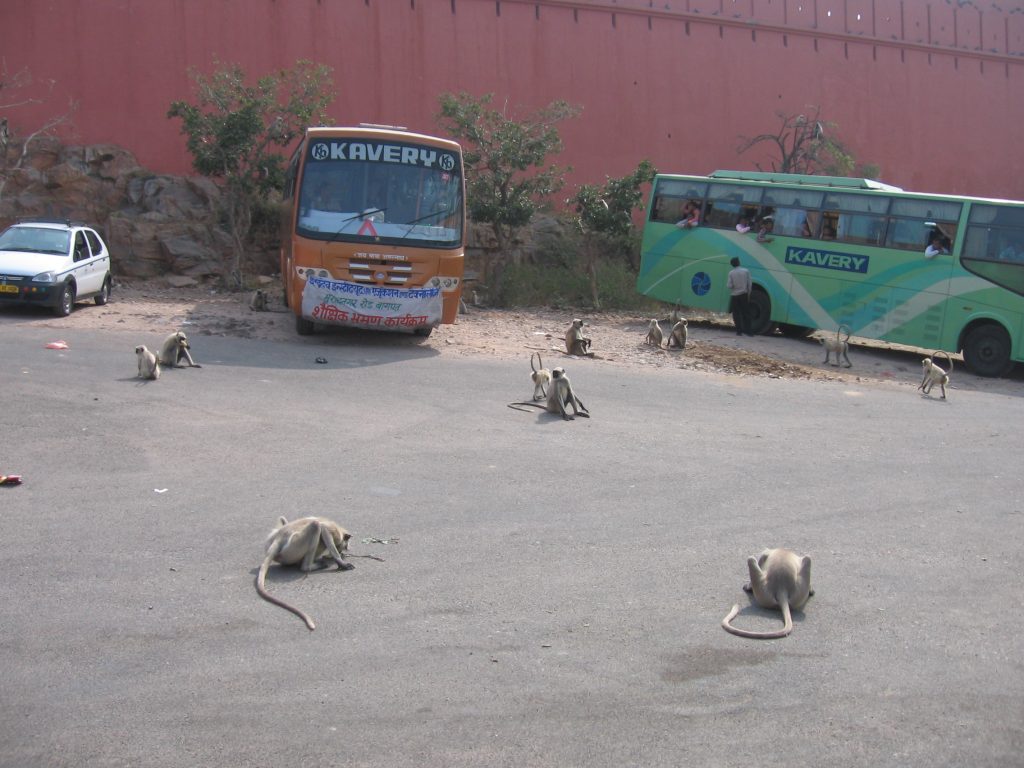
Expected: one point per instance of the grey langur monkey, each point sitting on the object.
(933, 375)
(838, 346)
(174, 348)
(779, 578)
(560, 395)
(541, 377)
(303, 542)
(258, 302)
(149, 367)
(678, 335)
(575, 342)
(654, 334)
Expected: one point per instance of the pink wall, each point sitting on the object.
(929, 91)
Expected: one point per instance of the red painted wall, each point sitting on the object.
(929, 91)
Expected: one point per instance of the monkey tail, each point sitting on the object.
(840, 329)
(515, 406)
(787, 617)
(262, 590)
(945, 354)
(531, 361)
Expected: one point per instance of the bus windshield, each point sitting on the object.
(387, 192)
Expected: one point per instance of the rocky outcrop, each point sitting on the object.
(154, 225)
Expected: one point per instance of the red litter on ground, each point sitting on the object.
(10, 479)
(57, 345)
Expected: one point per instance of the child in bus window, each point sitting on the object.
(766, 227)
(743, 226)
(691, 216)
(936, 245)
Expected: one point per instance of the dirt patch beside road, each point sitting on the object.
(153, 309)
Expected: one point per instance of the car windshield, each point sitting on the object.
(36, 240)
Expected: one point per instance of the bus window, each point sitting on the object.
(791, 211)
(995, 233)
(911, 222)
(728, 203)
(671, 195)
(856, 218)
(994, 246)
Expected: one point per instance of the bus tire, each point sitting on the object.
(987, 350)
(760, 312)
(795, 331)
(303, 326)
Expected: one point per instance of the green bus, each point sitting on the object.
(827, 251)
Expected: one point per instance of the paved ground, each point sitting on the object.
(551, 591)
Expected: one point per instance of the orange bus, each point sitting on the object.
(373, 230)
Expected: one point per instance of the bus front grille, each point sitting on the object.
(379, 272)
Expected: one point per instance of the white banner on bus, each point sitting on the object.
(338, 302)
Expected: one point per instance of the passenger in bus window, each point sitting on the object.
(691, 216)
(1010, 253)
(828, 232)
(936, 245)
(766, 228)
(743, 226)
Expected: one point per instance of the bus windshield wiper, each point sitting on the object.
(367, 212)
(415, 221)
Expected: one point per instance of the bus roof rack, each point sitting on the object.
(804, 179)
(385, 127)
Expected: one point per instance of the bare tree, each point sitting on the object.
(13, 90)
(805, 143)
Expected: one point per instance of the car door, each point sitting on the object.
(100, 258)
(84, 266)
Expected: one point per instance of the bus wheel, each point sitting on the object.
(795, 331)
(987, 350)
(303, 326)
(760, 310)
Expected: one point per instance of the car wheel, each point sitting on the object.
(760, 312)
(66, 301)
(424, 332)
(987, 350)
(303, 326)
(103, 296)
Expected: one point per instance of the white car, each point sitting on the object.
(53, 264)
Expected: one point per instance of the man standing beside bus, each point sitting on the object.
(740, 286)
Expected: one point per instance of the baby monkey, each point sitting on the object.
(149, 367)
(174, 349)
(560, 395)
(654, 334)
(933, 375)
(575, 342)
(303, 542)
(838, 345)
(678, 335)
(541, 377)
(779, 578)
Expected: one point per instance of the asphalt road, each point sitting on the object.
(551, 592)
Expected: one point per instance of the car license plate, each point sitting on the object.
(8, 289)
